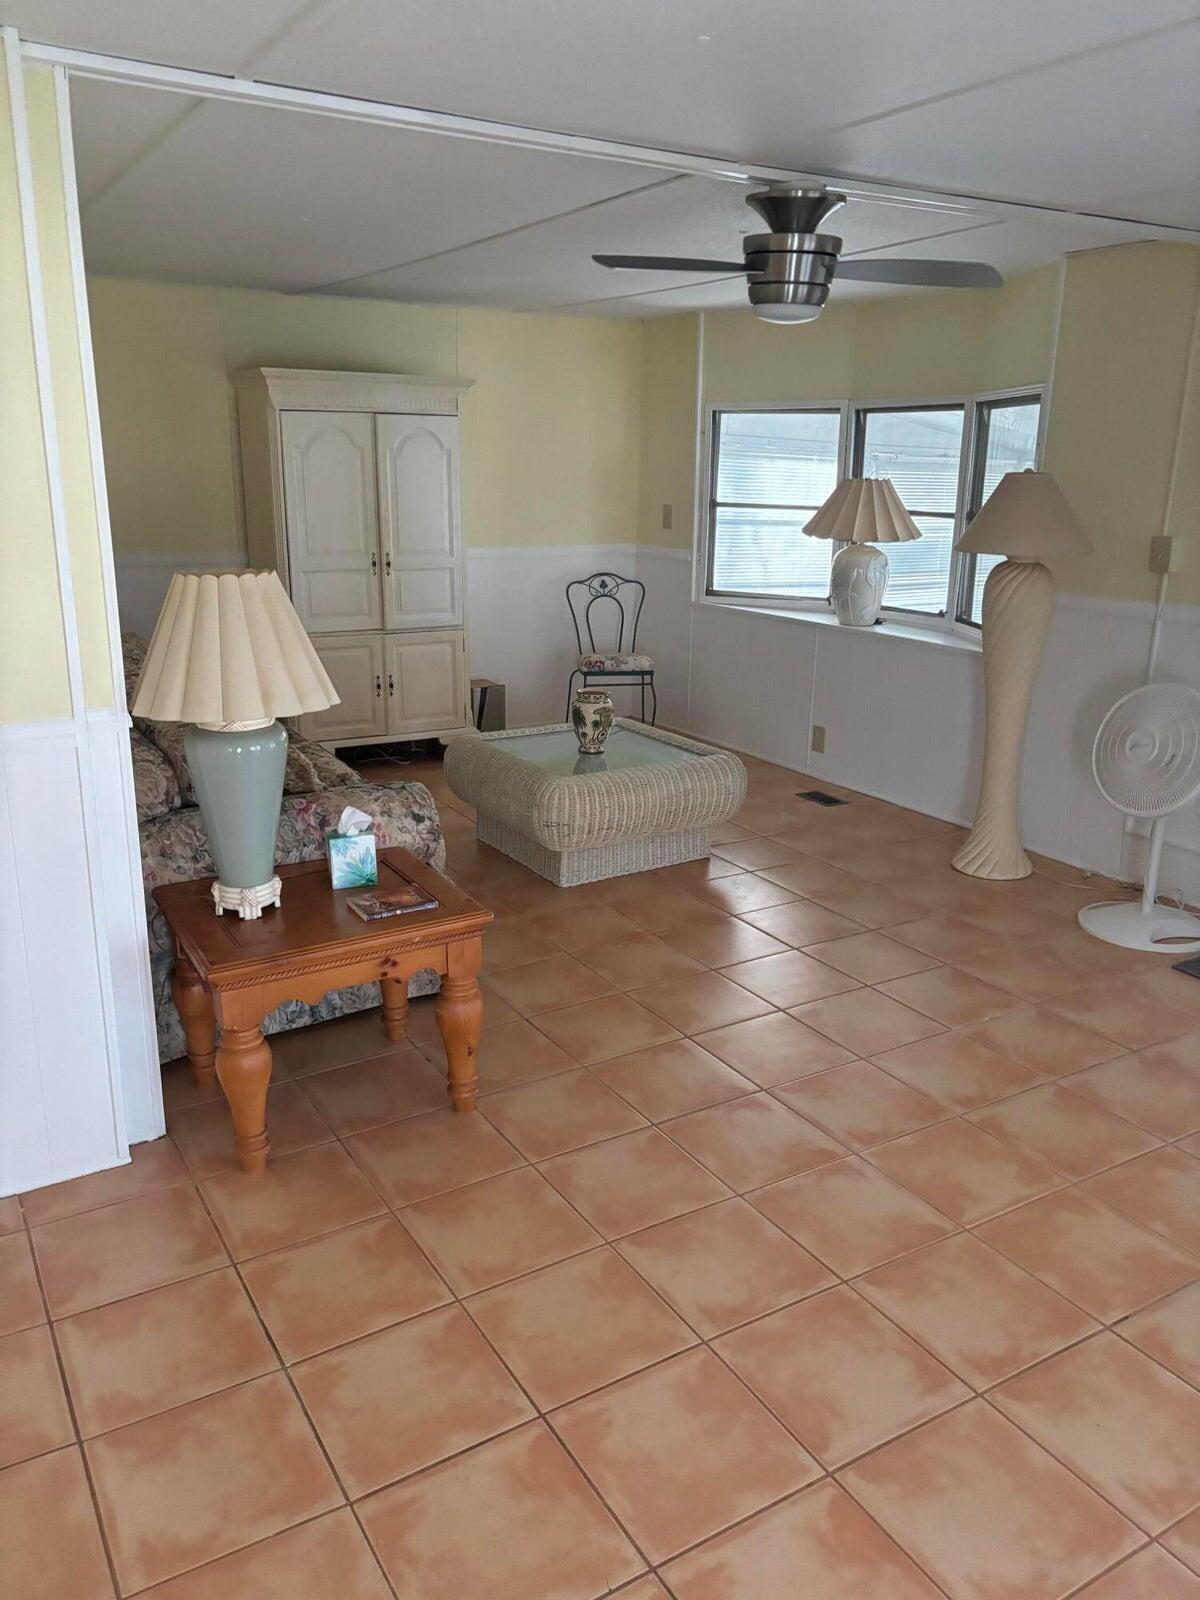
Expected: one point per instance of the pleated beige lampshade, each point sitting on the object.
(1027, 516)
(863, 511)
(229, 648)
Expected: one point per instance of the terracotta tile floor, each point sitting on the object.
(827, 1231)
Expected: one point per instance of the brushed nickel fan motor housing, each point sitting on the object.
(792, 269)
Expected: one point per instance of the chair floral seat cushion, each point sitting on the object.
(619, 661)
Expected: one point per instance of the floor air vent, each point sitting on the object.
(820, 798)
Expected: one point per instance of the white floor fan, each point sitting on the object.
(1146, 760)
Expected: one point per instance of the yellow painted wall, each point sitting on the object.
(74, 446)
(550, 430)
(33, 663)
(912, 348)
(1118, 407)
(34, 680)
(668, 426)
(1118, 403)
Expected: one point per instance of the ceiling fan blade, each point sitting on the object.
(922, 274)
(669, 264)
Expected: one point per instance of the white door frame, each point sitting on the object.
(94, 744)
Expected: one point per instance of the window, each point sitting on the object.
(771, 471)
(920, 450)
(773, 468)
(1006, 440)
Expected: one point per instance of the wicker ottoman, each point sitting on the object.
(648, 801)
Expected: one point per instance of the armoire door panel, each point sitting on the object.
(419, 520)
(356, 667)
(426, 682)
(332, 518)
(428, 593)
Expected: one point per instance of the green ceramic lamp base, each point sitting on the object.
(238, 778)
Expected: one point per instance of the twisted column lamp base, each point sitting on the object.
(1018, 599)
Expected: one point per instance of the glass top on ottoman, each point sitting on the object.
(558, 752)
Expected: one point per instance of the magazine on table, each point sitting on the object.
(397, 901)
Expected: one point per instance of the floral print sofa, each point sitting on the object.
(317, 788)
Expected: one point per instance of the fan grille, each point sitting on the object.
(1146, 757)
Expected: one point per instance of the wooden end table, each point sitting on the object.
(233, 973)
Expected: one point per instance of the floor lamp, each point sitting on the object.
(1026, 519)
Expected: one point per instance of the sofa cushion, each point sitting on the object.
(155, 787)
(310, 767)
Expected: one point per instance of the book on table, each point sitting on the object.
(397, 901)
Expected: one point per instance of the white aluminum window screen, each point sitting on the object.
(771, 471)
(920, 450)
(1006, 440)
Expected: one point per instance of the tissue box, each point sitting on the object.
(351, 859)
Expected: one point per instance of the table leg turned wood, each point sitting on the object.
(458, 1011)
(395, 1007)
(195, 1007)
(244, 1068)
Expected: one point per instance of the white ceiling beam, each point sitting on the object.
(318, 102)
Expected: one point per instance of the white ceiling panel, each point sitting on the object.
(550, 265)
(212, 35)
(1174, 207)
(263, 198)
(1084, 134)
(760, 80)
(114, 126)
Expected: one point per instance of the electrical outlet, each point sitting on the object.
(818, 739)
(1160, 554)
(668, 515)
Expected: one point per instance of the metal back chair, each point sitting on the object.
(605, 612)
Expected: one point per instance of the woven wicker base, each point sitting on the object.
(570, 867)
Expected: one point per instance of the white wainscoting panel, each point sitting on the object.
(904, 716)
(664, 632)
(519, 629)
(125, 911)
(61, 1101)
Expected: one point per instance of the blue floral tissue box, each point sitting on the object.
(351, 850)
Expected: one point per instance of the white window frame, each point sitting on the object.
(950, 622)
(962, 567)
(764, 602)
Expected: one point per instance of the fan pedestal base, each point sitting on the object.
(1137, 927)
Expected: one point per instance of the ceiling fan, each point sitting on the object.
(790, 269)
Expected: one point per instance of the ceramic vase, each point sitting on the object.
(592, 719)
(857, 583)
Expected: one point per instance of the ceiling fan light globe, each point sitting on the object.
(783, 313)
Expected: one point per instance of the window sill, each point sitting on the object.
(967, 641)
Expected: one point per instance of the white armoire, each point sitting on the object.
(352, 495)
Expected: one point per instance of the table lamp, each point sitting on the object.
(1027, 519)
(228, 656)
(862, 513)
